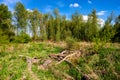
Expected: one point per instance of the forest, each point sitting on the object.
(49, 46)
(23, 26)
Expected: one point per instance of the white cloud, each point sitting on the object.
(101, 13)
(74, 5)
(85, 17)
(29, 10)
(90, 2)
(101, 22)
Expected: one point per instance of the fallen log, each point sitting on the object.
(73, 55)
(45, 65)
(65, 54)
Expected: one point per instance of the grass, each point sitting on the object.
(13, 67)
(105, 64)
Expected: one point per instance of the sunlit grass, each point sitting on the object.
(105, 63)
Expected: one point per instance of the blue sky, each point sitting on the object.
(68, 7)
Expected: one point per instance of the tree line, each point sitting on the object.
(23, 25)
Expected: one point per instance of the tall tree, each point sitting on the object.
(77, 23)
(117, 30)
(6, 27)
(21, 17)
(35, 18)
(57, 24)
(43, 27)
(51, 31)
(63, 27)
(107, 32)
(91, 26)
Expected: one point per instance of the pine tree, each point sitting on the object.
(107, 32)
(91, 26)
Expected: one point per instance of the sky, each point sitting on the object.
(68, 7)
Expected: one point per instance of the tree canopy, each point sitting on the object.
(55, 27)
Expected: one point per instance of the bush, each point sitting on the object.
(97, 44)
(75, 74)
(22, 38)
(3, 38)
(70, 42)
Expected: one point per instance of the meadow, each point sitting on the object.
(104, 65)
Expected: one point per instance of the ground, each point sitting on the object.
(103, 65)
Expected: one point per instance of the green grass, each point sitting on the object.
(13, 67)
(43, 75)
(105, 64)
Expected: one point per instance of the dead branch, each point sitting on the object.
(74, 54)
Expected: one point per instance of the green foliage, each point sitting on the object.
(91, 28)
(107, 32)
(75, 74)
(4, 16)
(116, 37)
(14, 67)
(22, 38)
(44, 75)
(117, 67)
(20, 15)
(97, 44)
(105, 64)
(70, 43)
(3, 38)
(6, 27)
(55, 27)
(35, 18)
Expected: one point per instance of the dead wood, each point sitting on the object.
(45, 65)
(73, 55)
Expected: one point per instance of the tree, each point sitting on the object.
(76, 24)
(107, 32)
(57, 24)
(21, 17)
(43, 27)
(117, 30)
(63, 27)
(50, 29)
(6, 27)
(91, 26)
(35, 23)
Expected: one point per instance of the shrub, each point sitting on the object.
(3, 37)
(22, 38)
(97, 44)
(71, 44)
